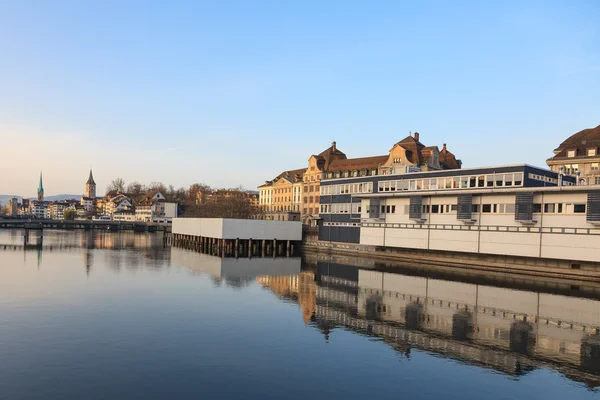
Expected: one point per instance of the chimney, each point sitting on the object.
(333, 146)
(444, 148)
(417, 136)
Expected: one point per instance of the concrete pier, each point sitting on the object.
(237, 237)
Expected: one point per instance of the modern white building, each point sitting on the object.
(517, 210)
(155, 208)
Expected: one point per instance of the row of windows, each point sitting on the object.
(548, 208)
(350, 188)
(348, 174)
(341, 208)
(589, 153)
(454, 182)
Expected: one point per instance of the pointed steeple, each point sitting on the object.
(90, 180)
(40, 191)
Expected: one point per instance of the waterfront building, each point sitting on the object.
(155, 208)
(88, 200)
(407, 155)
(578, 155)
(116, 201)
(281, 198)
(13, 207)
(124, 215)
(518, 210)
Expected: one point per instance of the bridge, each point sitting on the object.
(83, 224)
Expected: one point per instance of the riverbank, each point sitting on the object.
(476, 263)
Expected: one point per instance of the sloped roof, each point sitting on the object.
(90, 180)
(414, 148)
(448, 160)
(327, 156)
(580, 141)
(357, 163)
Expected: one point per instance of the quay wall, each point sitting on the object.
(490, 263)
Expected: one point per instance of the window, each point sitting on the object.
(481, 181)
(393, 209)
(499, 180)
(579, 208)
(474, 208)
(571, 153)
(549, 208)
(591, 152)
(508, 179)
(594, 165)
(435, 209)
(559, 208)
(472, 182)
(486, 208)
(388, 209)
(537, 208)
(382, 209)
(518, 179)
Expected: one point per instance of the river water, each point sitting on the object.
(98, 315)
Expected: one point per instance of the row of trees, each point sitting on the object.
(198, 200)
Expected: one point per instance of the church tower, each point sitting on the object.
(90, 187)
(40, 191)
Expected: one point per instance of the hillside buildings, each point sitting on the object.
(295, 194)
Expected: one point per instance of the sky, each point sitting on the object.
(231, 93)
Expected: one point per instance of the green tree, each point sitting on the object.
(69, 215)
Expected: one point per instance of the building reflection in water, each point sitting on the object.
(153, 252)
(512, 331)
(232, 272)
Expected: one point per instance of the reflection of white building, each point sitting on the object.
(242, 269)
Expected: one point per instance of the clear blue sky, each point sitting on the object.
(230, 93)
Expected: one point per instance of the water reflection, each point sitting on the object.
(510, 331)
(507, 325)
(150, 245)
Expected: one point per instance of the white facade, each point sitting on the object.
(220, 228)
(559, 229)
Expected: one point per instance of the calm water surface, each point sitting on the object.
(91, 315)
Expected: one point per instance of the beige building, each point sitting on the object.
(578, 155)
(303, 195)
(281, 198)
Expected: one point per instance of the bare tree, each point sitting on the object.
(116, 184)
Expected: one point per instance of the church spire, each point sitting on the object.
(90, 180)
(40, 191)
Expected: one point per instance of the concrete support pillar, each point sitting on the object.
(250, 248)
(263, 247)
(287, 248)
(274, 248)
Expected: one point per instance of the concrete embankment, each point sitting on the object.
(478, 263)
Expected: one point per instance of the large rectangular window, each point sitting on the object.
(579, 208)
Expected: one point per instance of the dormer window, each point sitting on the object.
(396, 160)
(591, 152)
(570, 153)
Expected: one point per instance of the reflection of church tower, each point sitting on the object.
(90, 187)
(40, 191)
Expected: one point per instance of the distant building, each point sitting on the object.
(124, 215)
(88, 201)
(578, 155)
(40, 191)
(281, 198)
(13, 207)
(116, 201)
(155, 208)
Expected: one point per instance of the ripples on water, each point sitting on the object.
(117, 315)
